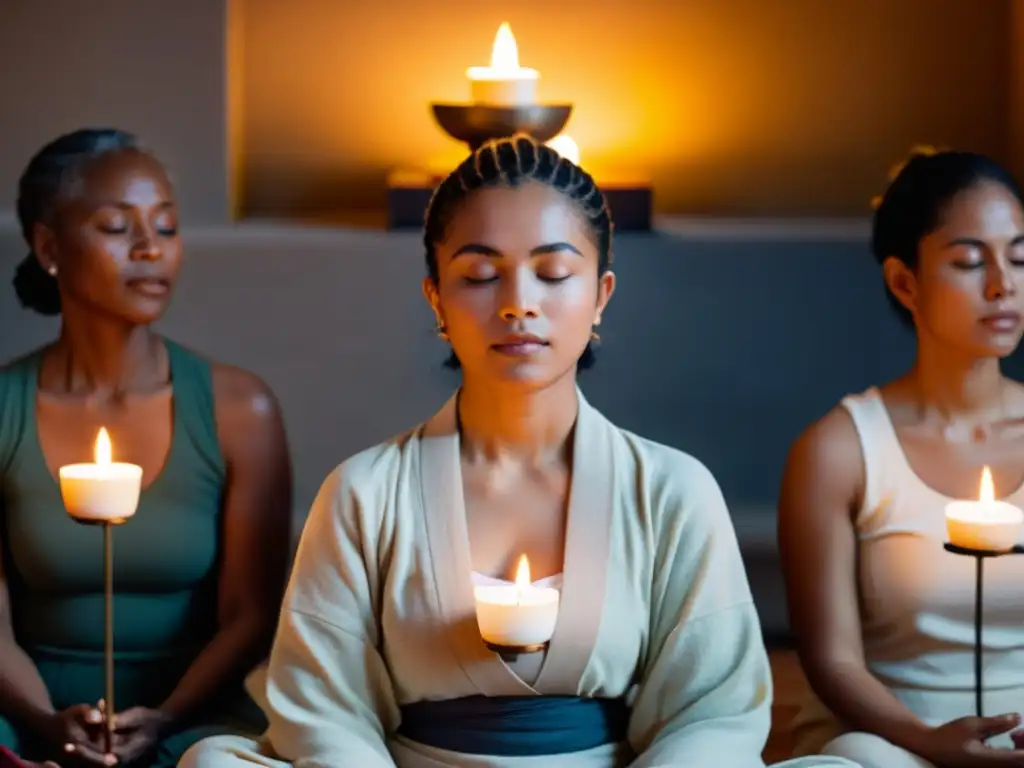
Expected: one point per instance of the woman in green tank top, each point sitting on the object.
(199, 570)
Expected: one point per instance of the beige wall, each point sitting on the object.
(731, 106)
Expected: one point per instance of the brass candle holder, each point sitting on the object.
(511, 653)
(475, 124)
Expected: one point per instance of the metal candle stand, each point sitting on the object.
(510, 653)
(979, 556)
(107, 709)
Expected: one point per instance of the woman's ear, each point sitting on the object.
(605, 289)
(429, 288)
(901, 281)
(44, 247)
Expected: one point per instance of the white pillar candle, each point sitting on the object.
(504, 83)
(517, 615)
(988, 523)
(103, 491)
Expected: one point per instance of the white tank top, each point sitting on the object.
(917, 609)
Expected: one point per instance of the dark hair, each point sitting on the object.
(512, 162)
(48, 177)
(920, 191)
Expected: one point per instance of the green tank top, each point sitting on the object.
(165, 558)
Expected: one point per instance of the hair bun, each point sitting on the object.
(36, 288)
(917, 152)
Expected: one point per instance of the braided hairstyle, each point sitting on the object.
(51, 176)
(920, 191)
(513, 162)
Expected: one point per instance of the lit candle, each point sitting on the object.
(504, 83)
(517, 615)
(103, 491)
(566, 147)
(987, 524)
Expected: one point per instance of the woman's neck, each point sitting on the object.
(502, 422)
(108, 358)
(955, 388)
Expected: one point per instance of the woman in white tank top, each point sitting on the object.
(883, 614)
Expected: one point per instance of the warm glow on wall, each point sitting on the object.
(566, 147)
(763, 132)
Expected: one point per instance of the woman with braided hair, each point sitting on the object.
(656, 658)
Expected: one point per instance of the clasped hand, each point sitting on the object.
(79, 731)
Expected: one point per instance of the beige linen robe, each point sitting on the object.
(380, 612)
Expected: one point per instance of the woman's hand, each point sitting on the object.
(961, 743)
(78, 731)
(136, 731)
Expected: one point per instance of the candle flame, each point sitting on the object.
(987, 492)
(505, 52)
(566, 147)
(103, 452)
(523, 573)
(522, 579)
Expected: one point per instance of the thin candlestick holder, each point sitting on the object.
(107, 710)
(980, 556)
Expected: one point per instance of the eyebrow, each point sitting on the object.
(486, 250)
(125, 206)
(974, 242)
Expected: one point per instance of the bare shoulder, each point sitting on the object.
(238, 394)
(825, 466)
(249, 418)
(241, 394)
(830, 443)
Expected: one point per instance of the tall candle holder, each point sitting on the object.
(982, 529)
(103, 494)
(980, 555)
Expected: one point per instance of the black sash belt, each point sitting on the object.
(516, 726)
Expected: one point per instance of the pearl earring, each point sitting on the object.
(52, 270)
